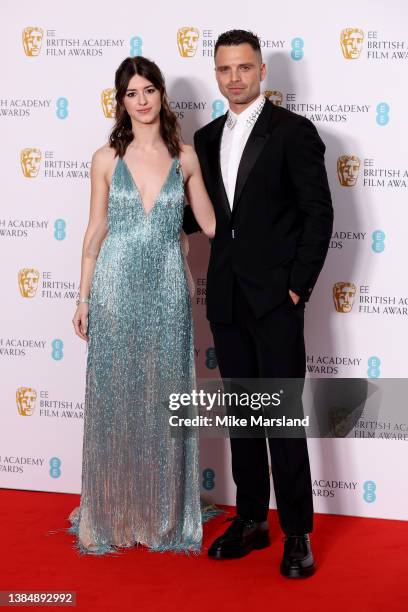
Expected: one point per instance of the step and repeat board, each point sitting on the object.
(343, 69)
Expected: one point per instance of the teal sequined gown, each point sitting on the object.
(140, 484)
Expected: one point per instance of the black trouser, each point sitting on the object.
(269, 347)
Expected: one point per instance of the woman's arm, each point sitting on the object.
(95, 232)
(196, 192)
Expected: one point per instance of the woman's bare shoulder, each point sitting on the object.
(103, 160)
(104, 156)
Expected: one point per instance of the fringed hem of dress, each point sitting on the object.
(208, 512)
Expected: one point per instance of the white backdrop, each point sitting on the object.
(345, 70)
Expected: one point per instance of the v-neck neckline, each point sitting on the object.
(136, 188)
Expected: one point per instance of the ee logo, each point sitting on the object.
(208, 479)
(59, 229)
(57, 346)
(211, 358)
(369, 491)
(297, 45)
(378, 241)
(217, 109)
(135, 46)
(55, 465)
(382, 117)
(373, 367)
(62, 108)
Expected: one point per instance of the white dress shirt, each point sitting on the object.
(237, 129)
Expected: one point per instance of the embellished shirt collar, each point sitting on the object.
(248, 116)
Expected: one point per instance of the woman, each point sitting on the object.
(140, 483)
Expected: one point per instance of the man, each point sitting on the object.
(263, 167)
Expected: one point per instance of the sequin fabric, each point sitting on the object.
(140, 483)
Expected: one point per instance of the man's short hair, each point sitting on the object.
(238, 37)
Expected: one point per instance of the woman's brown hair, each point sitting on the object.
(122, 135)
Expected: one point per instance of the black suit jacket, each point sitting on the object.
(277, 235)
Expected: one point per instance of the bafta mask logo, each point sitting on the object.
(108, 102)
(343, 296)
(25, 399)
(274, 96)
(348, 167)
(351, 40)
(187, 41)
(32, 39)
(28, 282)
(30, 160)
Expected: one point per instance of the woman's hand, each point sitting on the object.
(80, 321)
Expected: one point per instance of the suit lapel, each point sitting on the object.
(213, 153)
(253, 148)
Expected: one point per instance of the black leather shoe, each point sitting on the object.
(239, 539)
(297, 559)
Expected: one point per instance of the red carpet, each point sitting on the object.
(363, 566)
